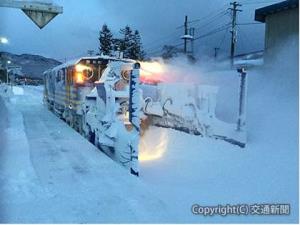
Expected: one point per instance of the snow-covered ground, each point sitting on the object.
(209, 172)
(51, 174)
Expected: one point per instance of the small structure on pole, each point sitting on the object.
(188, 38)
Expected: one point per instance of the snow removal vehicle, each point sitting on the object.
(112, 101)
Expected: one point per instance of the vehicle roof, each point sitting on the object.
(77, 60)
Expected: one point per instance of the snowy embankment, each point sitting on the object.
(50, 174)
(193, 170)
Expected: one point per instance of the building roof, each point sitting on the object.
(261, 13)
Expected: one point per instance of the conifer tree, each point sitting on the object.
(136, 50)
(106, 41)
(127, 41)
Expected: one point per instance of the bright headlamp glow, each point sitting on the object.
(81, 74)
(79, 77)
(153, 144)
(81, 68)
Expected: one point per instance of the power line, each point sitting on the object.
(213, 20)
(221, 43)
(259, 2)
(223, 38)
(219, 29)
(159, 40)
(160, 47)
(241, 40)
(209, 20)
(208, 16)
(242, 24)
(214, 31)
(159, 50)
(159, 44)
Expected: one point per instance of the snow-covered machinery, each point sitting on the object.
(112, 103)
(111, 113)
(99, 97)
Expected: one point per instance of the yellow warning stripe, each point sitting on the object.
(66, 94)
(66, 91)
(63, 95)
(63, 99)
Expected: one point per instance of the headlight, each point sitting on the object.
(79, 79)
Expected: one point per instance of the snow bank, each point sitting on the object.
(18, 90)
(208, 172)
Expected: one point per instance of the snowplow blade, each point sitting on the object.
(191, 109)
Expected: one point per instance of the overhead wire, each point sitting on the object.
(214, 19)
(258, 2)
(159, 50)
(211, 19)
(219, 29)
(223, 38)
(159, 40)
(243, 24)
(208, 16)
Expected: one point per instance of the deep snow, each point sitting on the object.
(209, 172)
(50, 174)
(65, 179)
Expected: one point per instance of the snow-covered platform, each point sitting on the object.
(50, 174)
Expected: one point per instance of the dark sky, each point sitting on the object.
(75, 31)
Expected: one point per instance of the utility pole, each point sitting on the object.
(241, 123)
(185, 33)
(188, 38)
(234, 9)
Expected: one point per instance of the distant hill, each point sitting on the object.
(32, 65)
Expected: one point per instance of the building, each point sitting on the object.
(281, 31)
